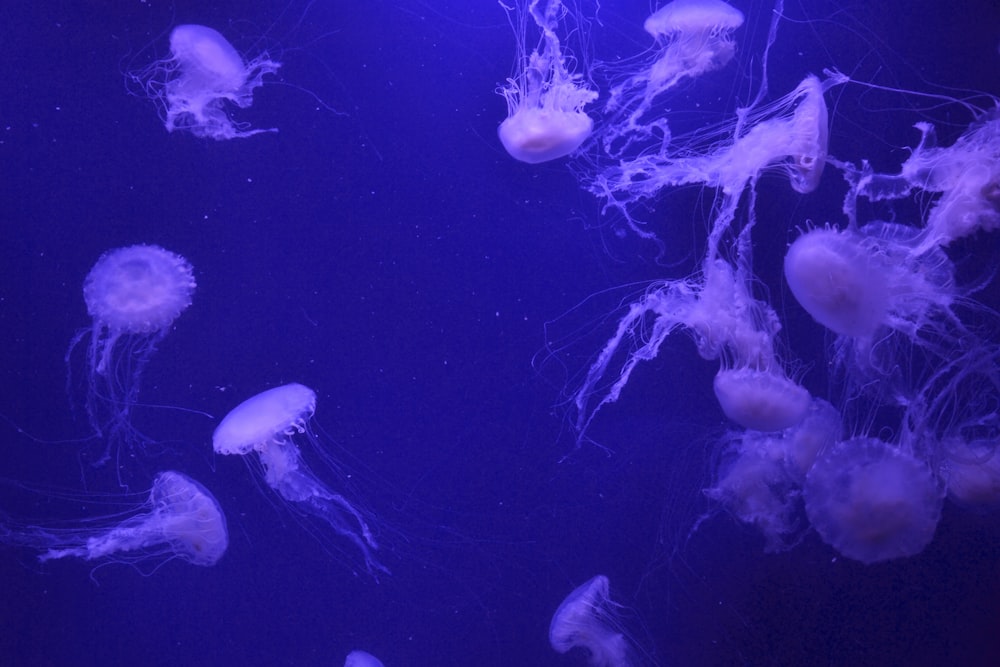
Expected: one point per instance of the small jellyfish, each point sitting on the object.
(760, 481)
(133, 294)
(181, 519)
(589, 619)
(966, 174)
(362, 659)
(726, 323)
(545, 99)
(872, 501)
(202, 74)
(273, 424)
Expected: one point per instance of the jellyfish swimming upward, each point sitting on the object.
(273, 424)
(203, 74)
(133, 294)
(180, 519)
(588, 620)
(545, 98)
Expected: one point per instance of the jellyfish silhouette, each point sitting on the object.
(362, 659)
(273, 424)
(133, 294)
(589, 619)
(203, 73)
(180, 519)
(545, 99)
(872, 501)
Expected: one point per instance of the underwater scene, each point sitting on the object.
(531, 332)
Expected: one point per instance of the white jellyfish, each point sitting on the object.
(760, 481)
(202, 74)
(589, 619)
(545, 98)
(133, 294)
(273, 424)
(726, 323)
(966, 174)
(872, 501)
(693, 37)
(180, 519)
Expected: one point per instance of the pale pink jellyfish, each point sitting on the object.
(133, 294)
(872, 501)
(180, 519)
(589, 620)
(545, 98)
(203, 73)
(274, 423)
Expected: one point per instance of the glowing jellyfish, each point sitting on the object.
(588, 619)
(133, 294)
(202, 74)
(273, 424)
(545, 99)
(726, 323)
(872, 501)
(362, 659)
(760, 481)
(967, 174)
(181, 519)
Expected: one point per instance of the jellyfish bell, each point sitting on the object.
(203, 74)
(698, 34)
(589, 619)
(872, 501)
(273, 424)
(972, 473)
(761, 400)
(134, 294)
(180, 519)
(362, 659)
(545, 99)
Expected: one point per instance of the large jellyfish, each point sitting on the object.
(362, 659)
(872, 501)
(273, 424)
(545, 98)
(180, 519)
(133, 294)
(202, 74)
(588, 619)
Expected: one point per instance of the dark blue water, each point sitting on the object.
(383, 249)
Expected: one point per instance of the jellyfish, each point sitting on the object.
(760, 481)
(181, 519)
(590, 620)
(362, 659)
(545, 99)
(273, 424)
(133, 294)
(726, 323)
(966, 174)
(872, 501)
(202, 74)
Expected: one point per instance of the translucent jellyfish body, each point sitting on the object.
(273, 424)
(181, 519)
(760, 480)
(362, 659)
(545, 98)
(872, 501)
(967, 174)
(588, 619)
(204, 73)
(726, 323)
(133, 294)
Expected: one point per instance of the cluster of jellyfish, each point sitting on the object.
(913, 354)
(134, 295)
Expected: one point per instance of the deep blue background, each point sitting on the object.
(393, 257)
